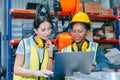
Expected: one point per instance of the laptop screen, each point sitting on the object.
(68, 62)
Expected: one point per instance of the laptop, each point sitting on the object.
(65, 63)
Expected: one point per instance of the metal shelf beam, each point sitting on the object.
(9, 66)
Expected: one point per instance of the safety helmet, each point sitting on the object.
(80, 17)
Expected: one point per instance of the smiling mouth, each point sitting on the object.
(47, 36)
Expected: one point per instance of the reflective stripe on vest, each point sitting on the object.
(92, 47)
(27, 53)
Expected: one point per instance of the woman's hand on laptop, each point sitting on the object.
(44, 73)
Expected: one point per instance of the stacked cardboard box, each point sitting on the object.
(95, 8)
(90, 7)
(107, 12)
(109, 32)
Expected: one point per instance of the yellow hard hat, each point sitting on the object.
(80, 17)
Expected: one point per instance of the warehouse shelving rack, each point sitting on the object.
(107, 41)
(30, 14)
(24, 14)
(117, 25)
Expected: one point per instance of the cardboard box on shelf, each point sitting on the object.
(107, 12)
(109, 32)
(108, 28)
(110, 35)
(90, 7)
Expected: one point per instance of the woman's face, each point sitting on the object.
(78, 32)
(43, 31)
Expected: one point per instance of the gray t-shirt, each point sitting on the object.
(20, 49)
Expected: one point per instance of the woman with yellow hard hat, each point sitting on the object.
(80, 25)
(34, 54)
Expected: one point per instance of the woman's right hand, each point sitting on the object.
(44, 73)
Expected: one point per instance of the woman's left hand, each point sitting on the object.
(49, 47)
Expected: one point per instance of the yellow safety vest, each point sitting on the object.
(92, 47)
(32, 61)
